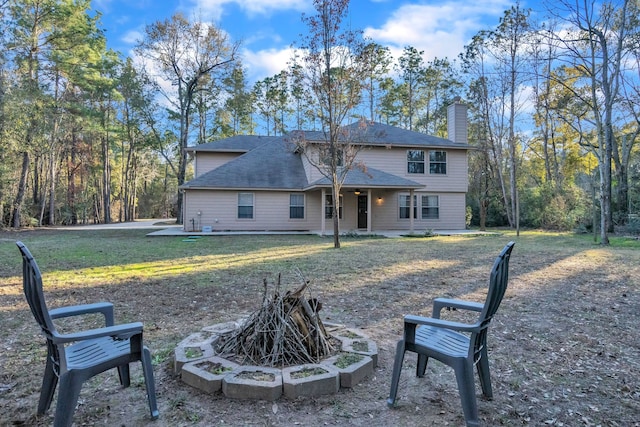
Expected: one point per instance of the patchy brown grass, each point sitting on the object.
(564, 347)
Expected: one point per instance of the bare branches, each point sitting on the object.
(185, 54)
(286, 330)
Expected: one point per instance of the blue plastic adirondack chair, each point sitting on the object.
(459, 345)
(75, 357)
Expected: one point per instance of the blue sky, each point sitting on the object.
(267, 28)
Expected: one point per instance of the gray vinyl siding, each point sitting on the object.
(394, 161)
(206, 161)
(219, 209)
(386, 212)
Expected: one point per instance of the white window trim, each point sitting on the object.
(303, 206)
(340, 200)
(415, 206)
(422, 207)
(253, 207)
(424, 163)
(446, 162)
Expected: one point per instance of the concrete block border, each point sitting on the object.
(207, 374)
(354, 373)
(365, 347)
(322, 379)
(195, 360)
(240, 383)
(184, 354)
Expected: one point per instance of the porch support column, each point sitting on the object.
(369, 211)
(323, 198)
(411, 207)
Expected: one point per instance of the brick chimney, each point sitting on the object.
(457, 122)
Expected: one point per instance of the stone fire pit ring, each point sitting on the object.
(197, 364)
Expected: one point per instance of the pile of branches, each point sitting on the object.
(286, 330)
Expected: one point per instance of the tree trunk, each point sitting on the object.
(336, 214)
(71, 180)
(106, 181)
(22, 185)
(483, 213)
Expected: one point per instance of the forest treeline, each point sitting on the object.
(88, 134)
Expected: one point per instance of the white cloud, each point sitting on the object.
(214, 9)
(102, 5)
(132, 37)
(265, 63)
(440, 30)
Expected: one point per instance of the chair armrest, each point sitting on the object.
(412, 321)
(124, 331)
(106, 308)
(440, 303)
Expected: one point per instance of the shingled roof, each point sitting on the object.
(378, 134)
(272, 165)
(235, 144)
(370, 178)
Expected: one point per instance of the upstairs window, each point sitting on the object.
(296, 206)
(325, 156)
(430, 207)
(438, 162)
(415, 161)
(245, 205)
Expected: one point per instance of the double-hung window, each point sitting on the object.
(325, 156)
(296, 206)
(430, 207)
(328, 207)
(245, 205)
(405, 206)
(438, 162)
(415, 161)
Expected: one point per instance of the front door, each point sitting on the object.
(362, 211)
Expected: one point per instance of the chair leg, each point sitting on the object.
(150, 383)
(421, 367)
(466, 388)
(49, 383)
(484, 375)
(395, 376)
(123, 373)
(68, 394)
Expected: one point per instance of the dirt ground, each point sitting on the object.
(564, 346)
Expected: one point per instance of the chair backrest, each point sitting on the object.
(497, 284)
(497, 287)
(32, 285)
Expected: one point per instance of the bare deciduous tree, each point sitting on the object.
(184, 53)
(334, 72)
(597, 49)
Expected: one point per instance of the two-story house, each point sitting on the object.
(410, 181)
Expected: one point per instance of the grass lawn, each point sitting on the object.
(564, 346)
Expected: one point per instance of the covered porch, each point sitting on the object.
(368, 201)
